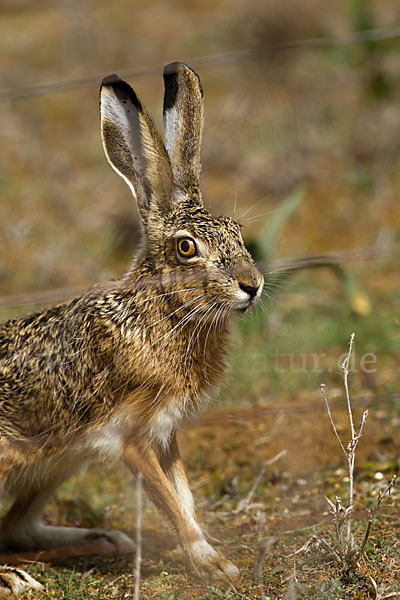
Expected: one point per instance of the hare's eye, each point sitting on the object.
(186, 248)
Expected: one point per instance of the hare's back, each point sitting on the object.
(30, 331)
(31, 355)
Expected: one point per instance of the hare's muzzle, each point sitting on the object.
(250, 284)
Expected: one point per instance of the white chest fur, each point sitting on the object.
(107, 441)
(165, 422)
(168, 417)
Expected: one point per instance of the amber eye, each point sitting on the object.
(186, 248)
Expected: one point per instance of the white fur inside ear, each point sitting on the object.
(124, 116)
(171, 124)
(179, 195)
(127, 181)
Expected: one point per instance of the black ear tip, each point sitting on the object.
(121, 89)
(171, 68)
(174, 68)
(111, 80)
(171, 78)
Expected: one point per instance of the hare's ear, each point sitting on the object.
(183, 121)
(135, 149)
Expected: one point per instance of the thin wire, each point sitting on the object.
(221, 59)
(337, 257)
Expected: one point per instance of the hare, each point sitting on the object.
(113, 373)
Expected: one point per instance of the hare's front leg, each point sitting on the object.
(172, 465)
(166, 484)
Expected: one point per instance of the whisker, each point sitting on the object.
(255, 218)
(251, 208)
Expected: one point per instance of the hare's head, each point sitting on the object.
(188, 248)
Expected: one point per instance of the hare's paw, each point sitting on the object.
(121, 541)
(207, 560)
(109, 541)
(16, 581)
(222, 568)
(69, 541)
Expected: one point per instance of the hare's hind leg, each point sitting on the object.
(12, 581)
(22, 530)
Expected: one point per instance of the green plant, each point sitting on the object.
(262, 249)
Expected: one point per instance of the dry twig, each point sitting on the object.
(138, 564)
(264, 546)
(372, 513)
(244, 504)
(347, 553)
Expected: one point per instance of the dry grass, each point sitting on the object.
(224, 463)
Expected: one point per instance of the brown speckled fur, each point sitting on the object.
(114, 371)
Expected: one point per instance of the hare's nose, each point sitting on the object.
(248, 278)
(250, 289)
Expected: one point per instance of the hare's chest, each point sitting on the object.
(165, 421)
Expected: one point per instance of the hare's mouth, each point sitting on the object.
(245, 307)
(246, 297)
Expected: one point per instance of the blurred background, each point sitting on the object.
(315, 125)
(301, 144)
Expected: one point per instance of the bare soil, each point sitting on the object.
(277, 459)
